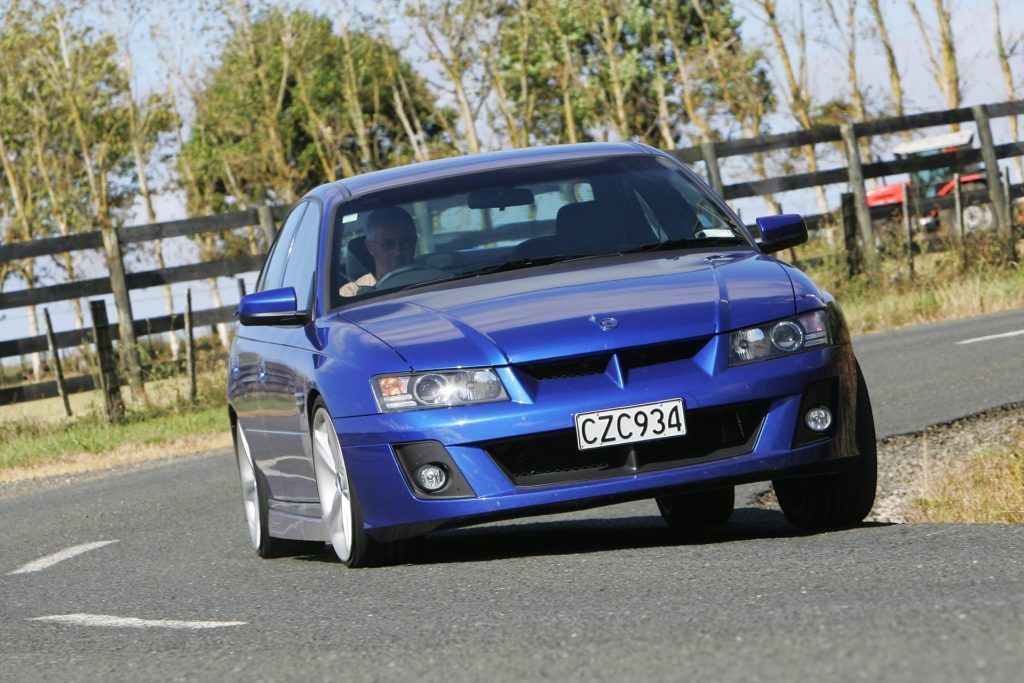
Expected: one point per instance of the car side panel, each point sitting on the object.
(285, 460)
(244, 388)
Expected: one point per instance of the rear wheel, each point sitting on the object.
(339, 502)
(979, 216)
(696, 510)
(836, 500)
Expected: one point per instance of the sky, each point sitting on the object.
(171, 39)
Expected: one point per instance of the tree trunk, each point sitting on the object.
(950, 69)
(609, 41)
(895, 82)
(1011, 91)
(799, 101)
(217, 302)
(33, 331)
(350, 88)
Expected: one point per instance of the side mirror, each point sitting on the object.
(781, 232)
(272, 307)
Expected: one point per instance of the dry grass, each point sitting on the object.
(987, 487)
(39, 441)
(939, 290)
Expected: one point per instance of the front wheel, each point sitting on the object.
(836, 500)
(339, 503)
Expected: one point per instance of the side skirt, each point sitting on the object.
(296, 521)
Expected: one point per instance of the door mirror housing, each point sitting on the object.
(272, 307)
(781, 232)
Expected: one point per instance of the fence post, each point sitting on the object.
(958, 210)
(849, 222)
(108, 366)
(993, 178)
(119, 285)
(908, 229)
(241, 288)
(190, 349)
(1009, 203)
(860, 200)
(267, 224)
(707, 149)
(58, 372)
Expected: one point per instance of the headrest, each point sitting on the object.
(590, 225)
(358, 261)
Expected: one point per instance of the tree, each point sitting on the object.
(797, 85)
(895, 82)
(455, 33)
(946, 74)
(1003, 55)
(291, 103)
(569, 70)
(63, 135)
(148, 118)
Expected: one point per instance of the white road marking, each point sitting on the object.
(66, 554)
(990, 337)
(131, 622)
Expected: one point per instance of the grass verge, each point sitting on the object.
(32, 443)
(36, 444)
(986, 488)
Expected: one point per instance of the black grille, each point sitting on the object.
(642, 356)
(571, 367)
(595, 364)
(553, 457)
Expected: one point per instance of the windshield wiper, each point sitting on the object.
(687, 243)
(515, 264)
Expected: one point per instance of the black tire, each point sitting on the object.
(979, 216)
(685, 511)
(365, 551)
(836, 500)
(266, 545)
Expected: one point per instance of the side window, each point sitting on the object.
(300, 270)
(273, 271)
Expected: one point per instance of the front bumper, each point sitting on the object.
(391, 509)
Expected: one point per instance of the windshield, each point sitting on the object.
(459, 226)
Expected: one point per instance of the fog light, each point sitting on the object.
(818, 419)
(431, 477)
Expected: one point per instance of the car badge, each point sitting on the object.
(608, 324)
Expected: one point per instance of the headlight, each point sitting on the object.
(780, 338)
(439, 389)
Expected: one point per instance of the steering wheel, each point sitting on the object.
(409, 275)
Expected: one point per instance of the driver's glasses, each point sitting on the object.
(387, 244)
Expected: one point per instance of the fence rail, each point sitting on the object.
(120, 282)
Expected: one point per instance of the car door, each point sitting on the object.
(287, 357)
(248, 364)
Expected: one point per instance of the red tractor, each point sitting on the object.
(939, 182)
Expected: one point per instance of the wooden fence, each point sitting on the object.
(854, 173)
(265, 217)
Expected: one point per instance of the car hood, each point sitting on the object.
(557, 311)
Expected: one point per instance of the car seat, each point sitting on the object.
(358, 261)
(589, 227)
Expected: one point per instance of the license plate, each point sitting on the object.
(646, 422)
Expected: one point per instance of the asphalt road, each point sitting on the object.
(925, 375)
(606, 594)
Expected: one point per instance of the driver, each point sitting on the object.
(391, 241)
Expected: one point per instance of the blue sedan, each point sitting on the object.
(533, 331)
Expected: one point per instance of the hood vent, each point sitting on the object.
(630, 358)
